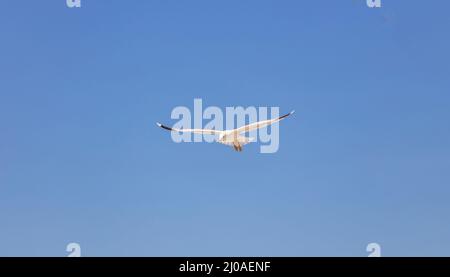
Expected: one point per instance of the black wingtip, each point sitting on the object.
(286, 115)
(164, 127)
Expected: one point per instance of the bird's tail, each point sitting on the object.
(241, 141)
(244, 140)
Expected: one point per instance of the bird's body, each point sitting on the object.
(237, 141)
(231, 137)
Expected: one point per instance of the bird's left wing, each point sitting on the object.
(195, 131)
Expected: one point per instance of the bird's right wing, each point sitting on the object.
(260, 124)
(195, 131)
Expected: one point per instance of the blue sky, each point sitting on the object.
(365, 159)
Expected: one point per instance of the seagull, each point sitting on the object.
(233, 137)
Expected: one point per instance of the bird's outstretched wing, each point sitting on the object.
(195, 131)
(260, 124)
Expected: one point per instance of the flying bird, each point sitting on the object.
(233, 137)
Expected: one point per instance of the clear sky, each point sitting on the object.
(365, 158)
